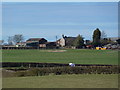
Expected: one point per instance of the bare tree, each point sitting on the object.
(104, 39)
(103, 35)
(18, 38)
(1, 42)
(15, 39)
(10, 40)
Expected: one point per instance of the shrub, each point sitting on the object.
(21, 73)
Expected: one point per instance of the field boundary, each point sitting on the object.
(35, 64)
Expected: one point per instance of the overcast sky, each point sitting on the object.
(51, 19)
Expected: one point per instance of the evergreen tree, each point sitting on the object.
(79, 42)
(96, 37)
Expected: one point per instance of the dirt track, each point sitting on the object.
(56, 50)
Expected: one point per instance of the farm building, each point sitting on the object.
(66, 41)
(51, 44)
(36, 42)
(40, 42)
(48, 45)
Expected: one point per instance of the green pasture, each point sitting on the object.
(77, 56)
(63, 81)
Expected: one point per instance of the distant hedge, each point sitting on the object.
(32, 64)
(69, 70)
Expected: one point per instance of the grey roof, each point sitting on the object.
(35, 39)
(69, 40)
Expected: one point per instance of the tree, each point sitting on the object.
(1, 42)
(103, 35)
(79, 42)
(118, 41)
(96, 37)
(10, 40)
(18, 38)
(104, 41)
(15, 39)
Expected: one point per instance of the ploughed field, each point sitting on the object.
(63, 81)
(77, 56)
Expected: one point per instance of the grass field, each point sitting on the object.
(63, 81)
(80, 56)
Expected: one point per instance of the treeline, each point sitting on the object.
(98, 39)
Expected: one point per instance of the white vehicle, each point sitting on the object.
(72, 64)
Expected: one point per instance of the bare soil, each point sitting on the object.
(56, 50)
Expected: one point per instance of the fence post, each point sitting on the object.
(29, 65)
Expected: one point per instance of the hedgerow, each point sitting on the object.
(69, 70)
